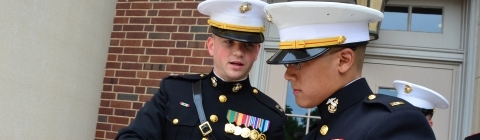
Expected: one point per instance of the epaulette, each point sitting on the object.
(390, 102)
(192, 77)
(268, 101)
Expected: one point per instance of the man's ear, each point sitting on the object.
(210, 47)
(346, 60)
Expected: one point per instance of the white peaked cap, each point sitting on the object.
(229, 12)
(304, 20)
(420, 96)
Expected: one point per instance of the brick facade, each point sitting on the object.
(150, 40)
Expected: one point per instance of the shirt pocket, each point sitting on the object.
(182, 122)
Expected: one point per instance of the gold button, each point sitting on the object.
(324, 130)
(201, 75)
(255, 91)
(222, 98)
(175, 121)
(371, 97)
(213, 118)
(204, 138)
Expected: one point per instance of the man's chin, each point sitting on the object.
(303, 104)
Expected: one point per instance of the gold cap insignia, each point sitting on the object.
(214, 81)
(396, 103)
(408, 89)
(268, 16)
(332, 105)
(324, 130)
(245, 7)
(222, 98)
(237, 87)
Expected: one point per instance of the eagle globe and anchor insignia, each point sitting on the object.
(332, 105)
(245, 7)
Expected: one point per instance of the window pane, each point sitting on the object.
(311, 122)
(427, 20)
(387, 91)
(292, 107)
(293, 126)
(395, 18)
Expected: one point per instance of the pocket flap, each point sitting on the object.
(184, 115)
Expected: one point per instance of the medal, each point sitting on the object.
(238, 130)
(254, 128)
(262, 137)
(245, 132)
(229, 128)
(253, 134)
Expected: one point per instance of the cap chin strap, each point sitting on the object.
(426, 111)
(312, 43)
(228, 26)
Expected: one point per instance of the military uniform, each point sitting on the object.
(171, 113)
(473, 137)
(354, 112)
(310, 29)
(203, 106)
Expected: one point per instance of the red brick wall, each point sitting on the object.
(150, 40)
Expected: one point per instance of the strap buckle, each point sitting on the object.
(205, 128)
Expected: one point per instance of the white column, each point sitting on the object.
(476, 117)
(52, 62)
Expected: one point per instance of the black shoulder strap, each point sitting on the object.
(205, 127)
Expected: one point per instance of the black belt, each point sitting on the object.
(205, 127)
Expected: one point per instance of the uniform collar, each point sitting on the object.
(229, 87)
(344, 98)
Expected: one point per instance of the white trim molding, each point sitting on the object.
(466, 86)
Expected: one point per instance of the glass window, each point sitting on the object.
(387, 91)
(293, 126)
(426, 20)
(395, 18)
(412, 18)
(298, 118)
(296, 110)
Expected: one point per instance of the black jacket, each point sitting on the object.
(361, 115)
(171, 113)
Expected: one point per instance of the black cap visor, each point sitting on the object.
(238, 35)
(289, 56)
